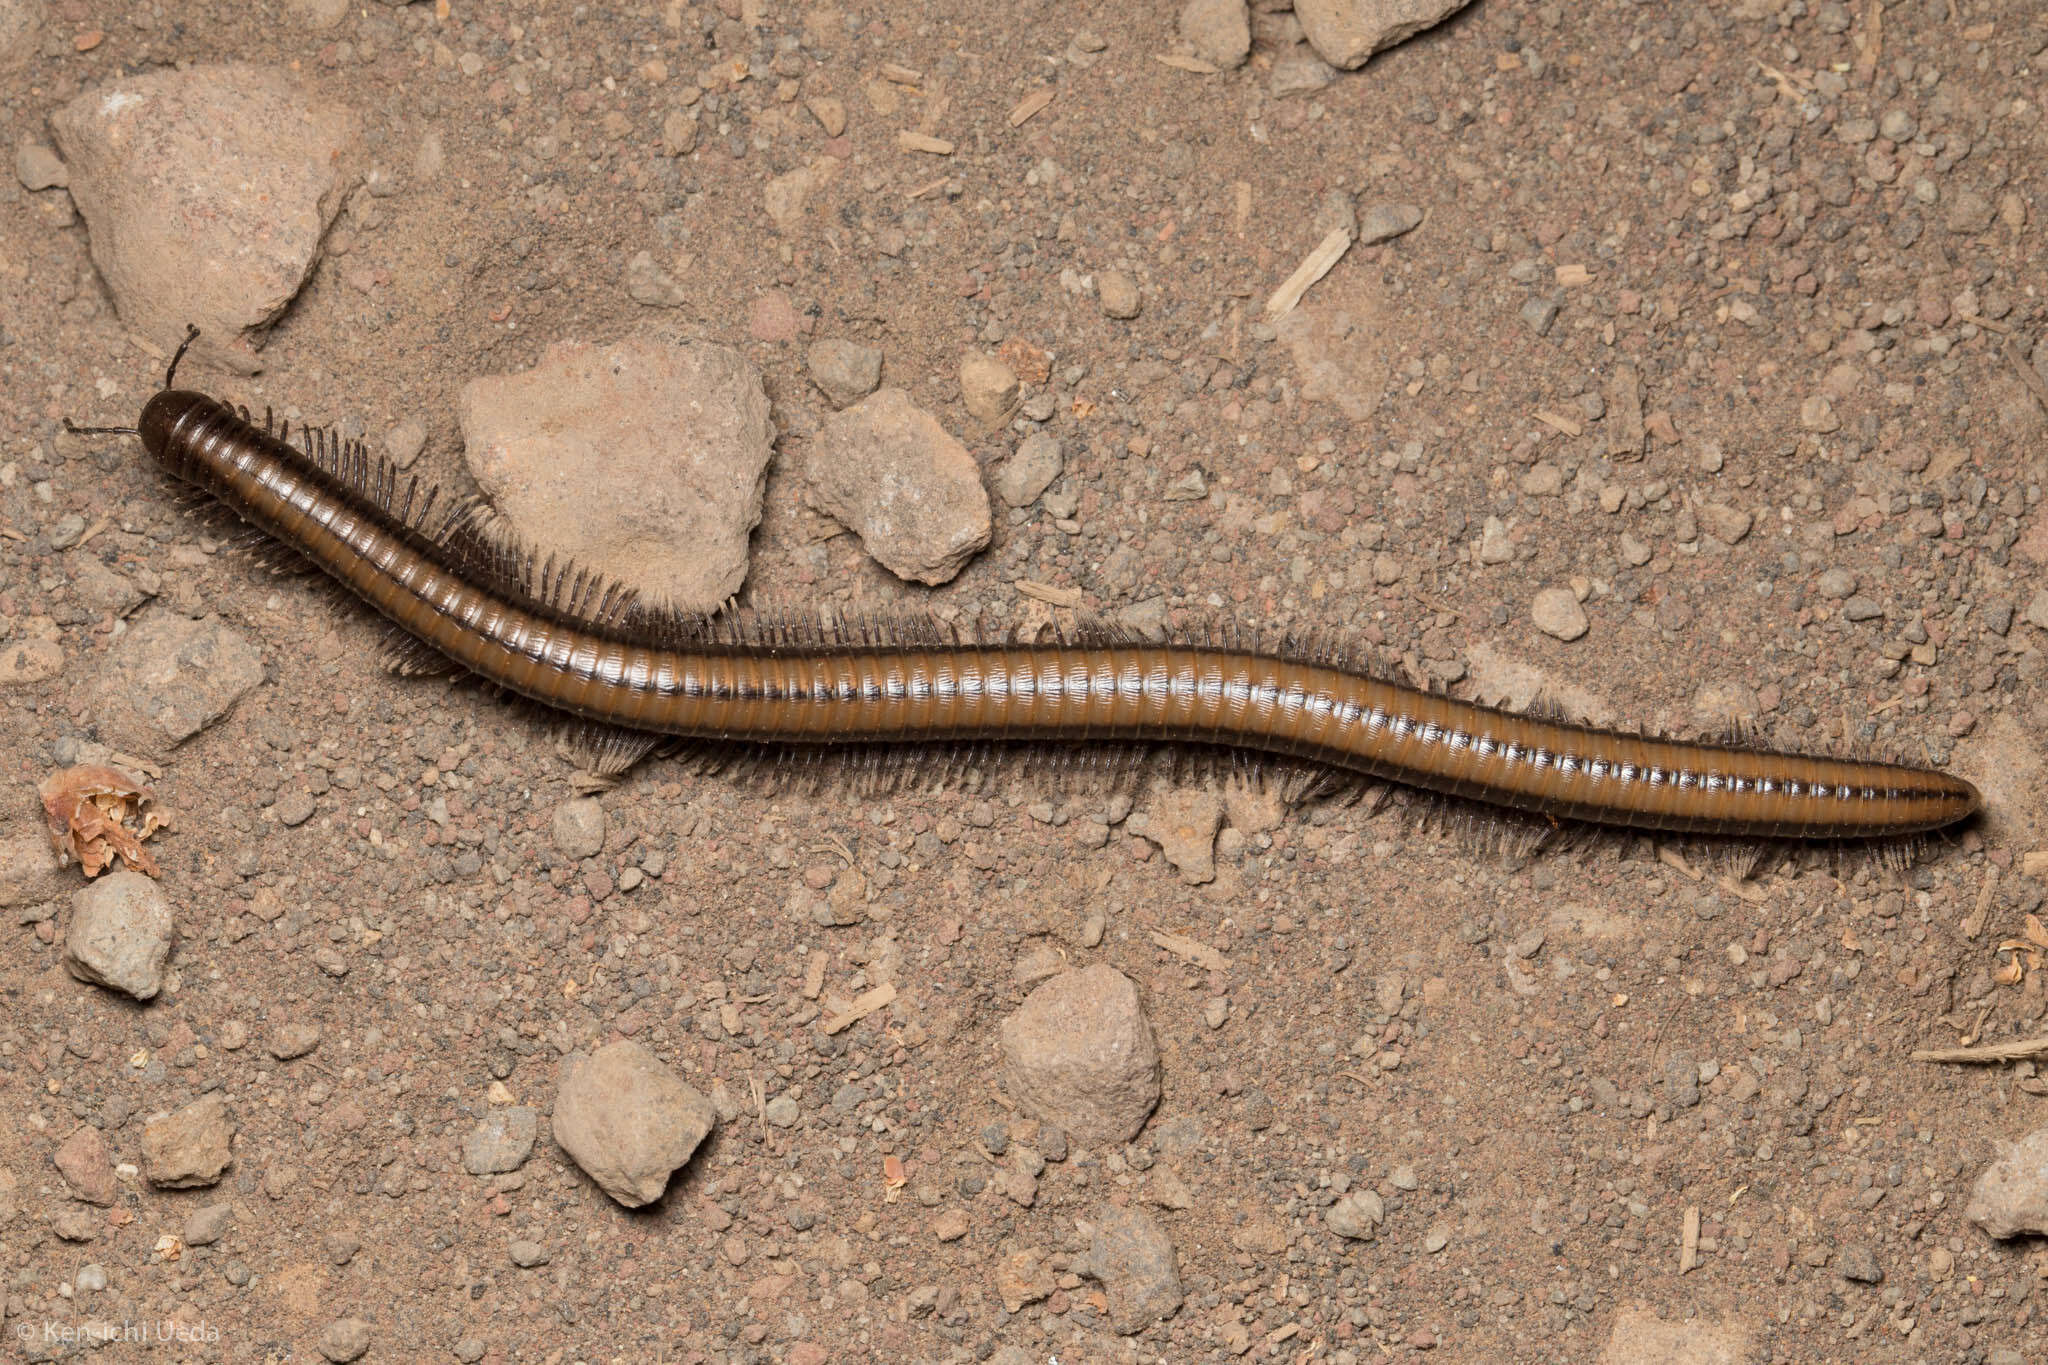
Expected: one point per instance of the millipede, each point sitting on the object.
(463, 594)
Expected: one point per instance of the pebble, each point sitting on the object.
(294, 1040)
(207, 1225)
(24, 663)
(1132, 1256)
(988, 388)
(1079, 1053)
(678, 133)
(885, 469)
(191, 1147)
(404, 442)
(1724, 523)
(207, 190)
(168, 678)
(829, 112)
(1119, 294)
(87, 1169)
(345, 1339)
(1556, 611)
(1539, 314)
(1861, 609)
(526, 1254)
(501, 1141)
(2010, 1198)
(1836, 584)
(470, 1350)
(1183, 822)
(1030, 470)
(21, 23)
(1384, 222)
(845, 370)
(685, 425)
(120, 934)
(950, 1226)
(1219, 31)
(91, 1279)
(627, 1121)
(293, 808)
(1357, 1215)
(781, 1112)
(1858, 1262)
(1347, 32)
(579, 828)
(39, 168)
(1299, 72)
(651, 286)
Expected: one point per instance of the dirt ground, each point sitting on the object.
(1718, 320)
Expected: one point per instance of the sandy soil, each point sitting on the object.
(1805, 238)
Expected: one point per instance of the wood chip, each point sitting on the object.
(864, 1005)
(1180, 63)
(1046, 592)
(1317, 264)
(1031, 106)
(2029, 376)
(930, 187)
(1571, 276)
(902, 75)
(1558, 420)
(1689, 1241)
(1625, 435)
(922, 142)
(1193, 950)
(814, 975)
(2019, 1050)
(1974, 925)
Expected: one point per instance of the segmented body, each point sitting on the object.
(827, 692)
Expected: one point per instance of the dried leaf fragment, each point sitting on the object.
(89, 807)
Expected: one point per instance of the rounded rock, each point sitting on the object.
(1557, 612)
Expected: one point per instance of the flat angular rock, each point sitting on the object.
(501, 1141)
(1220, 31)
(1030, 470)
(643, 461)
(846, 370)
(83, 1162)
(886, 470)
(120, 935)
(207, 191)
(1132, 1256)
(2011, 1197)
(1078, 1053)
(190, 1147)
(627, 1121)
(21, 30)
(1183, 821)
(1346, 32)
(29, 869)
(169, 678)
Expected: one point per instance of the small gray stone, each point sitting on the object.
(1557, 612)
(579, 828)
(627, 1120)
(781, 1112)
(1836, 584)
(1861, 609)
(1682, 1080)
(1897, 125)
(1119, 294)
(1357, 1215)
(648, 285)
(1030, 470)
(1384, 222)
(526, 1254)
(1132, 1256)
(90, 1279)
(293, 808)
(1299, 72)
(205, 1226)
(121, 933)
(1540, 313)
(470, 1350)
(345, 1339)
(501, 1141)
(845, 370)
(1858, 1262)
